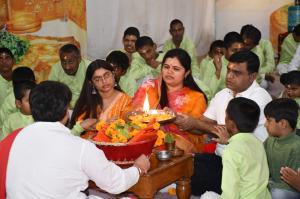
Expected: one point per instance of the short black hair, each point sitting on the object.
(174, 22)
(70, 48)
(292, 77)
(143, 41)
(118, 58)
(231, 38)
(22, 73)
(251, 32)
(244, 113)
(247, 56)
(296, 30)
(283, 108)
(7, 51)
(132, 31)
(49, 101)
(216, 44)
(20, 88)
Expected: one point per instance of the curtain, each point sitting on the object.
(107, 20)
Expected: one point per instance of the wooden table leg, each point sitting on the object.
(183, 188)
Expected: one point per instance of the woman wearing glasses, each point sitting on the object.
(100, 98)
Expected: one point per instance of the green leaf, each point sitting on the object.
(17, 46)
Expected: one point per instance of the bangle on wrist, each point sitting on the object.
(139, 170)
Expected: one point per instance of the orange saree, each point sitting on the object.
(186, 101)
(117, 109)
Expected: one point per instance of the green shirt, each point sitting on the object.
(245, 170)
(203, 67)
(208, 75)
(268, 64)
(8, 107)
(298, 120)
(137, 73)
(5, 88)
(288, 49)
(204, 88)
(14, 121)
(281, 152)
(74, 82)
(187, 45)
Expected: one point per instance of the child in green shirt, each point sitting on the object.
(291, 81)
(22, 117)
(245, 170)
(283, 145)
(148, 67)
(19, 74)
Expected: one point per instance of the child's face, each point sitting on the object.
(230, 125)
(6, 63)
(148, 53)
(235, 47)
(118, 71)
(292, 90)
(129, 43)
(272, 127)
(23, 104)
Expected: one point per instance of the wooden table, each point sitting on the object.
(163, 173)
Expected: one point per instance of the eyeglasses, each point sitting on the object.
(106, 76)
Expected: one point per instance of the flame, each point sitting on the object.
(146, 106)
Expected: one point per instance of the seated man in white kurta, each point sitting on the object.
(241, 75)
(47, 161)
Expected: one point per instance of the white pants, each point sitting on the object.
(210, 195)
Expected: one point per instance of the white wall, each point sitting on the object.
(231, 15)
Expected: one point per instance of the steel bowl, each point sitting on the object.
(163, 155)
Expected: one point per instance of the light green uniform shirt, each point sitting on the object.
(14, 121)
(187, 45)
(74, 82)
(288, 49)
(134, 55)
(268, 64)
(8, 107)
(207, 74)
(245, 169)
(5, 89)
(138, 72)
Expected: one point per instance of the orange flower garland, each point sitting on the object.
(119, 131)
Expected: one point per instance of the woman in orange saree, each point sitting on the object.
(175, 89)
(100, 98)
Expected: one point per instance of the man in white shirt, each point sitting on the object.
(47, 161)
(240, 82)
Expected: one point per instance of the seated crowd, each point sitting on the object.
(245, 143)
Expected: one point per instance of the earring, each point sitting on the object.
(94, 90)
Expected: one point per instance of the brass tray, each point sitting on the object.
(161, 116)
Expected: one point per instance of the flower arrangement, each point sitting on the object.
(119, 131)
(15, 44)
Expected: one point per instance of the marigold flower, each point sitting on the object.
(161, 134)
(156, 125)
(158, 142)
(100, 125)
